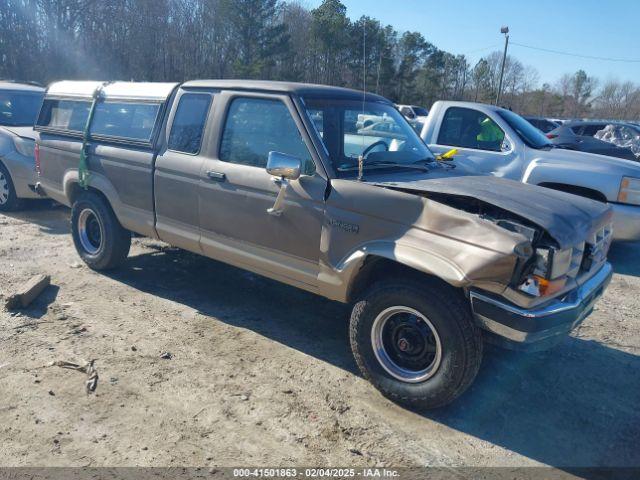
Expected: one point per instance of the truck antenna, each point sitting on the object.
(364, 90)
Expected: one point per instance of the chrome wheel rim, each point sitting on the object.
(406, 344)
(4, 189)
(90, 231)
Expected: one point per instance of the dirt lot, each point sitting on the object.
(262, 374)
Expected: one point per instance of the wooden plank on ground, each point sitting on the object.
(28, 292)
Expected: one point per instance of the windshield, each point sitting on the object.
(375, 130)
(19, 109)
(527, 132)
(421, 112)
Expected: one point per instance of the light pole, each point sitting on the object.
(504, 30)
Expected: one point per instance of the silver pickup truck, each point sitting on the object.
(19, 105)
(278, 179)
(493, 141)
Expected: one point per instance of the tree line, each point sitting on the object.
(176, 40)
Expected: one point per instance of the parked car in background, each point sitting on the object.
(559, 121)
(494, 141)
(413, 112)
(624, 135)
(579, 136)
(365, 120)
(587, 128)
(543, 124)
(256, 174)
(19, 106)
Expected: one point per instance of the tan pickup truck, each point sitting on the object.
(278, 178)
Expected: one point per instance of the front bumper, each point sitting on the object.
(515, 327)
(626, 222)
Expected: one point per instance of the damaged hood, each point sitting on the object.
(567, 218)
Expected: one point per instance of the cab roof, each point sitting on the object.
(300, 89)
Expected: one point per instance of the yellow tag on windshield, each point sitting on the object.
(447, 155)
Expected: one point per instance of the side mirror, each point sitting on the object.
(284, 166)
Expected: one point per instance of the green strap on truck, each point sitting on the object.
(83, 167)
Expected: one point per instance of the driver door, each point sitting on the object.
(236, 191)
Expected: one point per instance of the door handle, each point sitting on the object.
(217, 176)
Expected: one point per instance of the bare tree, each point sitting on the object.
(174, 40)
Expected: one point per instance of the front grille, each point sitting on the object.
(597, 248)
(577, 256)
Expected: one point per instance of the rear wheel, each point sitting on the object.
(8, 199)
(100, 240)
(416, 341)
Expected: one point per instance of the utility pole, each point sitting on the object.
(505, 31)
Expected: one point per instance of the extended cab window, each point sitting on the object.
(255, 127)
(68, 115)
(188, 123)
(133, 121)
(467, 128)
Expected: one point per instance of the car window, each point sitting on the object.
(254, 127)
(546, 126)
(591, 130)
(188, 123)
(421, 112)
(468, 128)
(628, 133)
(384, 133)
(407, 112)
(134, 121)
(19, 109)
(68, 115)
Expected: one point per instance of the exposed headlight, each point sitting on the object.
(552, 268)
(629, 191)
(551, 263)
(24, 146)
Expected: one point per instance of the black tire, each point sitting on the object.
(9, 202)
(100, 240)
(448, 312)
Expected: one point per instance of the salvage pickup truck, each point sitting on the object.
(494, 141)
(255, 174)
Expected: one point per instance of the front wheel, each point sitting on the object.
(100, 240)
(416, 341)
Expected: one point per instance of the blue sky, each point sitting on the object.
(604, 28)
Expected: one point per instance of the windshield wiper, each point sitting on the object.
(424, 161)
(382, 164)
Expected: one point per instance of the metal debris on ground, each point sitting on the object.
(88, 368)
(166, 356)
(28, 292)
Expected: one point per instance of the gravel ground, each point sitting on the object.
(262, 374)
